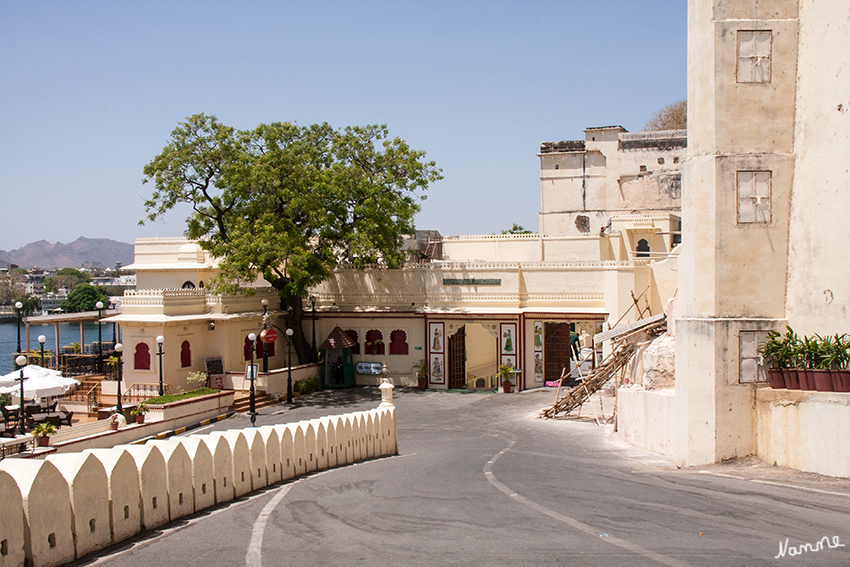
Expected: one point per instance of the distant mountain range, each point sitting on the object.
(43, 254)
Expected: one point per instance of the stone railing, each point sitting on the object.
(120, 491)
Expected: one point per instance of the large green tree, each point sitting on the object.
(289, 202)
(83, 298)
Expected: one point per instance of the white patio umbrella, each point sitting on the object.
(38, 383)
(30, 371)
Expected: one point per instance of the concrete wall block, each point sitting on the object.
(271, 439)
(203, 471)
(178, 468)
(310, 451)
(89, 493)
(321, 444)
(330, 432)
(125, 515)
(257, 452)
(153, 483)
(287, 452)
(222, 457)
(11, 523)
(353, 422)
(241, 473)
(373, 443)
(299, 449)
(46, 500)
(388, 427)
(344, 440)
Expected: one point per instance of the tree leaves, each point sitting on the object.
(289, 202)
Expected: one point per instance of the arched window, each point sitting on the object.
(201, 284)
(246, 349)
(185, 355)
(352, 334)
(642, 248)
(188, 285)
(398, 342)
(269, 349)
(374, 342)
(142, 357)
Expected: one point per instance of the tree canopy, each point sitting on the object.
(83, 298)
(517, 229)
(674, 116)
(290, 202)
(67, 278)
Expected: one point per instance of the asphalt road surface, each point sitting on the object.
(480, 480)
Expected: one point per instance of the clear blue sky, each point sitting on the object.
(91, 90)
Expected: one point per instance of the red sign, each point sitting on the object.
(268, 336)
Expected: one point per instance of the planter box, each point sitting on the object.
(840, 380)
(219, 402)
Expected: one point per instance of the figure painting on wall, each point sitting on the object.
(437, 345)
(538, 335)
(538, 367)
(437, 369)
(508, 347)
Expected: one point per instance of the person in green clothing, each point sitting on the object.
(574, 346)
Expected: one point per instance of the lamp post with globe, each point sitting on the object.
(41, 340)
(18, 307)
(289, 333)
(21, 361)
(159, 340)
(119, 349)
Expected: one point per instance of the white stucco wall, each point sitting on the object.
(646, 419)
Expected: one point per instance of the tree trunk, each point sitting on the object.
(293, 308)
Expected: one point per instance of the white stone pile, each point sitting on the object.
(68, 505)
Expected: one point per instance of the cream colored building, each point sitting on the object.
(477, 303)
(765, 185)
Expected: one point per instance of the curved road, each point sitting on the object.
(481, 481)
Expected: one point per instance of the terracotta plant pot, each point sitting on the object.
(43, 441)
(823, 380)
(423, 383)
(807, 379)
(507, 387)
(140, 418)
(114, 426)
(792, 380)
(840, 380)
(777, 380)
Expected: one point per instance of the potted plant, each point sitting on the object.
(776, 356)
(139, 412)
(505, 375)
(42, 432)
(422, 370)
(828, 356)
(114, 422)
(375, 346)
(838, 369)
(807, 358)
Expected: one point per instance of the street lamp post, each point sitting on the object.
(41, 340)
(289, 365)
(21, 361)
(314, 357)
(252, 409)
(119, 348)
(265, 303)
(99, 306)
(159, 340)
(112, 303)
(18, 307)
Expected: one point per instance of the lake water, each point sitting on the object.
(68, 333)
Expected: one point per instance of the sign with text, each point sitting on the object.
(369, 368)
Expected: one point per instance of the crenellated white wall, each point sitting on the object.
(50, 506)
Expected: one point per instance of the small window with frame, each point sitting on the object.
(751, 370)
(754, 51)
(753, 189)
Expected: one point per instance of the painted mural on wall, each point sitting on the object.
(538, 351)
(436, 352)
(508, 344)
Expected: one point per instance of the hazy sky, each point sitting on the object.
(91, 90)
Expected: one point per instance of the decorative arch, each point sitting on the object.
(246, 349)
(398, 342)
(642, 248)
(185, 355)
(142, 357)
(374, 342)
(188, 285)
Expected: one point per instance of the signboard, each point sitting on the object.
(369, 368)
(251, 371)
(214, 365)
(268, 336)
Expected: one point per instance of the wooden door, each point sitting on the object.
(556, 350)
(457, 360)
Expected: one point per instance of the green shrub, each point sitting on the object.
(308, 385)
(197, 380)
(176, 397)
